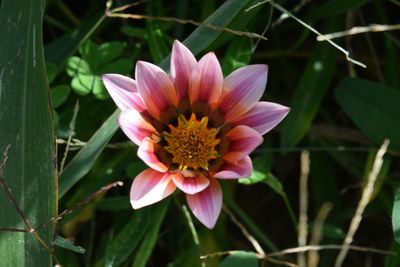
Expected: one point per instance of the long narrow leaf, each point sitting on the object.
(26, 125)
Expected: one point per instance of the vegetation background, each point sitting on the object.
(319, 172)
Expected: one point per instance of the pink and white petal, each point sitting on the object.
(245, 87)
(243, 140)
(241, 169)
(147, 152)
(182, 64)
(150, 187)
(263, 117)
(155, 87)
(190, 185)
(134, 126)
(206, 81)
(123, 91)
(206, 205)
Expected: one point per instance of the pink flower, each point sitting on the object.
(192, 127)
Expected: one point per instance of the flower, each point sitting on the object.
(192, 127)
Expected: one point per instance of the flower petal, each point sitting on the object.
(134, 126)
(182, 64)
(147, 153)
(123, 91)
(243, 140)
(241, 169)
(263, 117)
(206, 81)
(206, 205)
(155, 87)
(245, 87)
(150, 187)
(190, 185)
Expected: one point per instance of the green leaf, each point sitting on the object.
(396, 217)
(81, 164)
(64, 243)
(126, 241)
(307, 98)
(122, 66)
(335, 7)
(115, 203)
(90, 54)
(51, 72)
(156, 42)
(150, 240)
(240, 259)
(83, 84)
(196, 42)
(26, 125)
(237, 55)
(373, 107)
(110, 51)
(59, 94)
(99, 91)
(76, 65)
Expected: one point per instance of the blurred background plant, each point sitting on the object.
(340, 115)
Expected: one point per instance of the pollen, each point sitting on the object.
(192, 143)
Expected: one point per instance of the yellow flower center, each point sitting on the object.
(192, 143)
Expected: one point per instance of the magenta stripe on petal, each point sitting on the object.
(207, 204)
(206, 81)
(155, 87)
(150, 187)
(243, 140)
(123, 91)
(241, 169)
(190, 185)
(134, 126)
(263, 117)
(146, 152)
(244, 88)
(182, 64)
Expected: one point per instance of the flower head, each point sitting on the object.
(192, 127)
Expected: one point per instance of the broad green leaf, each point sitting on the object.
(26, 125)
(240, 259)
(156, 42)
(110, 51)
(373, 107)
(237, 55)
(65, 243)
(307, 98)
(150, 240)
(59, 94)
(84, 160)
(51, 72)
(122, 66)
(83, 84)
(99, 91)
(126, 241)
(90, 54)
(77, 65)
(396, 216)
(196, 42)
(115, 203)
(335, 7)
